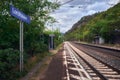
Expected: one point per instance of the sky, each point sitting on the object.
(71, 11)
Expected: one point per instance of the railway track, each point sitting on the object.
(106, 50)
(96, 68)
(74, 70)
(109, 56)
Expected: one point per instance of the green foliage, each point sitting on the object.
(38, 10)
(9, 60)
(58, 38)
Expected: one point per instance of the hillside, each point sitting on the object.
(84, 20)
(105, 24)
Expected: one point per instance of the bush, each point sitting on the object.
(9, 63)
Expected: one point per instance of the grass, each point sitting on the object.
(31, 62)
(40, 72)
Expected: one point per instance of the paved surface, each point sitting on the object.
(56, 70)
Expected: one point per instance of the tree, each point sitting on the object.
(38, 10)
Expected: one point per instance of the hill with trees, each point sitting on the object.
(105, 24)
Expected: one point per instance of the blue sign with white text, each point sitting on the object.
(18, 14)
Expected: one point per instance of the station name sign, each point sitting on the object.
(19, 14)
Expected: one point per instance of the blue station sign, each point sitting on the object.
(19, 14)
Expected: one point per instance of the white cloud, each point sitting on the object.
(98, 6)
(70, 13)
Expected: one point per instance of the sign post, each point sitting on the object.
(21, 46)
(23, 18)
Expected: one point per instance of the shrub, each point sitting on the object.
(9, 62)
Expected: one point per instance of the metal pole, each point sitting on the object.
(21, 46)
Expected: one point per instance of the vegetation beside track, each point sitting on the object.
(35, 39)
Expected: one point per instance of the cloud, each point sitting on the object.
(98, 6)
(70, 13)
